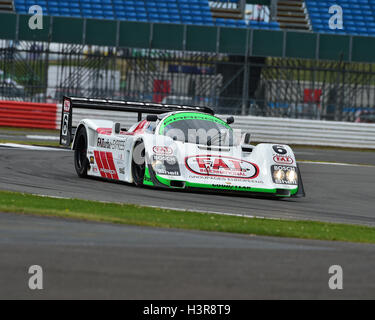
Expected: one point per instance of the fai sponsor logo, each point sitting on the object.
(66, 105)
(221, 167)
(162, 150)
(283, 159)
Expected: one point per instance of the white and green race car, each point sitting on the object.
(173, 146)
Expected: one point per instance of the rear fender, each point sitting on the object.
(91, 130)
(81, 125)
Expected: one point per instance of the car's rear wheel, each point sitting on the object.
(80, 153)
(138, 163)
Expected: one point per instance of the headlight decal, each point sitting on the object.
(284, 175)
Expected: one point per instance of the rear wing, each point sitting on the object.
(70, 103)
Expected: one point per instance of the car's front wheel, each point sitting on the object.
(138, 163)
(80, 153)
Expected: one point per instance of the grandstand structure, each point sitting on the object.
(359, 16)
(261, 57)
(199, 12)
(6, 5)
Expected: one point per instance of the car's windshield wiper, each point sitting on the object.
(218, 135)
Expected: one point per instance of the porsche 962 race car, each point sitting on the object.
(176, 146)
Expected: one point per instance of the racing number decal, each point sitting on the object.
(65, 124)
(279, 149)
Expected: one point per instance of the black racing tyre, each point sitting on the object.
(138, 163)
(80, 153)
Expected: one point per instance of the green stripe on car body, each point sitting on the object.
(167, 182)
(191, 116)
(162, 180)
(235, 188)
(147, 178)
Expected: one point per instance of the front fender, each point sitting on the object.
(278, 156)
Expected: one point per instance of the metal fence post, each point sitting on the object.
(245, 88)
(273, 10)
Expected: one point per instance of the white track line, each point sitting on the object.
(29, 147)
(336, 163)
(54, 138)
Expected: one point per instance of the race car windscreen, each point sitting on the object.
(198, 128)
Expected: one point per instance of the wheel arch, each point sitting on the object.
(74, 144)
(81, 161)
(135, 143)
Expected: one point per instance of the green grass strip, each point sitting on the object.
(163, 218)
(46, 143)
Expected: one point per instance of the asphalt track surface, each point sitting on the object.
(335, 193)
(84, 260)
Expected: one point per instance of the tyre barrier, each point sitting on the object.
(28, 115)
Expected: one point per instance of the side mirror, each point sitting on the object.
(230, 120)
(117, 127)
(152, 117)
(247, 138)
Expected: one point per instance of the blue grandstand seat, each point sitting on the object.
(140, 9)
(165, 11)
(142, 16)
(358, 16)
(152, 10)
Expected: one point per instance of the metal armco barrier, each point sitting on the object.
(262, 129)
(276, 130)
(308, 132)
(28, 115)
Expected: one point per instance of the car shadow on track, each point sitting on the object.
(224, 193)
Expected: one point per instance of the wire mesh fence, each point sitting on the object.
(294, 88)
